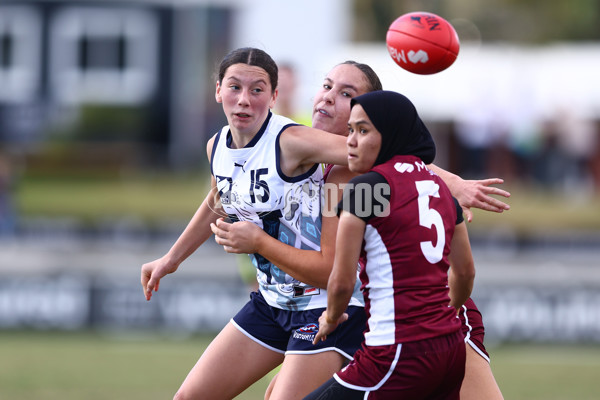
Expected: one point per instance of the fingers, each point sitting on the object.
(149, 288)
(491, 204)
(491, 181)
(150, 284)
(145, 279)
(221, 223)
(325, 328)
(222, 238)
(231, 250)
(468, 214)
(318, 337)
(487, 204)
(220, 234)
(217, 232)
(147, 293)
(495, 191)
(219, 227)
(498, 205)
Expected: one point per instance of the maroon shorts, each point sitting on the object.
(472, 327)
(432, 368)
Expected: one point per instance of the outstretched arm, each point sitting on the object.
(302, 147)
(474, 193)
(196, 233)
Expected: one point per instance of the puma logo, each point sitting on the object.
(240, 165)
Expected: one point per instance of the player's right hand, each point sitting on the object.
(152, 273)
(326, 326)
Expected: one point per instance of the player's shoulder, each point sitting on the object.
(211, 144)
(339, 174)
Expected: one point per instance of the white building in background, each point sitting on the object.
(58, 57)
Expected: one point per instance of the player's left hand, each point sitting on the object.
(326, 326)
(477, 194)
(238, 237)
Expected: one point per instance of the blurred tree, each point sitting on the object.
(531, 21)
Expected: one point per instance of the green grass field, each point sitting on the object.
(90, 366)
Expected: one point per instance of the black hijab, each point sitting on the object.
(401, 128)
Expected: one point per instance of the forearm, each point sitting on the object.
(339, 293)
(462, 271)
(195, 234)
(301, 145)
(343, 276)
(461, 287)
(450, 179)
(308, 266)
(473, 193)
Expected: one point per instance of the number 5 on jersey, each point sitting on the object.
(429, 217)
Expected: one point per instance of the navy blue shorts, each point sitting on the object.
(292, 332)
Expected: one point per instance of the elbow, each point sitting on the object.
(340, 289)
(465, 275)
(469, 273)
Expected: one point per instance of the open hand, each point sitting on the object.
(477, 194)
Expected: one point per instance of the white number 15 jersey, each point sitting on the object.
(253, 188)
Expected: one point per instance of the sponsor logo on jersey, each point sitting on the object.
(300, 291)
(410, 167)
(404, 167)
(240, 165)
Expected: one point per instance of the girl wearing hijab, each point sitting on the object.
(400, 221)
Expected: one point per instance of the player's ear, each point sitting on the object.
(218, 93)
(274, 98)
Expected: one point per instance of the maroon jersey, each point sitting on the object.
(472, 328)
(405, 255)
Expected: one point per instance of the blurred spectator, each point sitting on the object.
(478, 130)
(595, 160)
(287, 91)
(570, 147)
(286, 104)
(522, 136)
(7, 210)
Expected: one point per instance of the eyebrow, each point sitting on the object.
(235, 78)
(344, 85)
(360, 122)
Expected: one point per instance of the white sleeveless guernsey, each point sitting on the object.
(253, 188)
